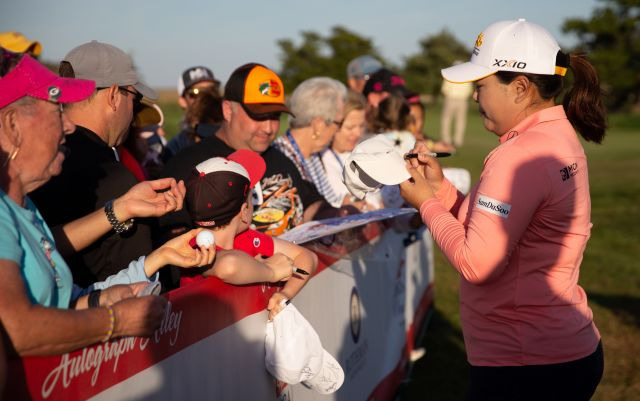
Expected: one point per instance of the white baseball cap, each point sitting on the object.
(518, 46)
(373, 163)
(295, 354)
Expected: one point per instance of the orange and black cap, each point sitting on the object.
(258, 89)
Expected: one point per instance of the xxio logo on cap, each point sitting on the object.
(270, 88)
(510, 64)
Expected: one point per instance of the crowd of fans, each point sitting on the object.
(93, 192)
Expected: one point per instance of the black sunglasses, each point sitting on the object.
(137, 96)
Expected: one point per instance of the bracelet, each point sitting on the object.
(118, 226)
(112, 325)
(94, 299)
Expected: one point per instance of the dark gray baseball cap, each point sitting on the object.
(106, 65)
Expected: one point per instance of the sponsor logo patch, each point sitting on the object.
(478, 44)
(569, 171)
(256, 242)
(54, 93)
(198, 73)
(270, 88)
(493, 206)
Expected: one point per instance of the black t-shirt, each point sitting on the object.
(90, 177)
(285, 193)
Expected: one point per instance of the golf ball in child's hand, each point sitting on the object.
(205, 239)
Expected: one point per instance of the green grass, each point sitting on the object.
(610, 272)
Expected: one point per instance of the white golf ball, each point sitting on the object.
(205, 239)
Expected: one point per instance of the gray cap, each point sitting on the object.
(363, 65)
(107, 65)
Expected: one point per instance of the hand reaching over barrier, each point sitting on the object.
(179, 252)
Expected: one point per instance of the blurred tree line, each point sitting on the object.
(610, 37)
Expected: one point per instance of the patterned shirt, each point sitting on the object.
(310, 169)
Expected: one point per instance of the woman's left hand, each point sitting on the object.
(150, 199)
(417, 189)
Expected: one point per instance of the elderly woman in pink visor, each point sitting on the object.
(36, 287)
(518, 238)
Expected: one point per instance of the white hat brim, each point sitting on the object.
(466, 72)
(387, 169)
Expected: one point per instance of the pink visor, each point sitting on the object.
(30, 78)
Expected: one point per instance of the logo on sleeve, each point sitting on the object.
(493, 206)
(256, 242)
(569, 171)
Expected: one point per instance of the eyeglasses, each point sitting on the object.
(137, 96)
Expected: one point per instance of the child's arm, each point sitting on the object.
(302, 258)
(237, 267)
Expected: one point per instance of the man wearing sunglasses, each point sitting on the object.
(199, 97)
(192, 82)
(92, 174)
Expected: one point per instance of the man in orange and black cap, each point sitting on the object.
(252, 105)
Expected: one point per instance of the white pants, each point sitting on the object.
(454, 108)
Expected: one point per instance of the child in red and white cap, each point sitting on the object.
(219, 197)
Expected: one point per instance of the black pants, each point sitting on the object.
(575, 380)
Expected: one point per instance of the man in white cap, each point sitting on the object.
(92, 175)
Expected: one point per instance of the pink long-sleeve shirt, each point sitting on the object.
(517, 240)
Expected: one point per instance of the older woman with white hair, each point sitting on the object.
(318, 108)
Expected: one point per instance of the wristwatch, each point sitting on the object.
(118, 226)
(94, 299)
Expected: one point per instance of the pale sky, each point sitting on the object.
(165, 37)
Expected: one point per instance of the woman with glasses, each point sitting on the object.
(347, 137)
(317, 107)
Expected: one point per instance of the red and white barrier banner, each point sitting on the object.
(369, 296)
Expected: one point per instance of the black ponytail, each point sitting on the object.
(583, 101)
